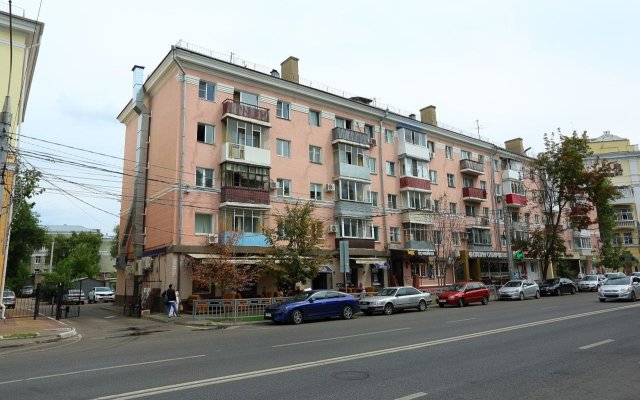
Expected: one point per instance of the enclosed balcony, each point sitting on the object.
(511, 175)
(245, 154)
(474, 194)
(471, 167)
(423, 217)
(410, 182)
(515, 200)
(413, 144)
(344, 170)
(231, 194)
(348, 136)
(245, 112)
(245, 239)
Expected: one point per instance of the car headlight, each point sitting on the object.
(452, 297)
(625, 290)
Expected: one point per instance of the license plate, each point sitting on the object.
(267, 314)
(442, 301)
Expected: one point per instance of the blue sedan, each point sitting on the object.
(313, 304)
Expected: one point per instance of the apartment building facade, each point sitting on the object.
(626, 156)
(221, 148)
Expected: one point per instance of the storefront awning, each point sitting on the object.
(325, 269)
(238, 260)
(366, 261)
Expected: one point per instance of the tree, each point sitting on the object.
(221, 270)
(447, 226)
(563, 192)
(79, 253)
(294, 253)
(113, 250)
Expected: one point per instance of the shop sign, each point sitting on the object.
(487, 254)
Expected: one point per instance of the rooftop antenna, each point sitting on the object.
(478, 128)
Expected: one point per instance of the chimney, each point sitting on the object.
(412, 116)
(428, 115)
(274, 72)
(289, 69)
(515, 146)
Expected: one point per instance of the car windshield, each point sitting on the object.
(102, 289)
(8, 293)
(617, 281)
(513, 284)
(551, 281)
(455, 288)
(386, 292)
(301, 296)
(590, 278)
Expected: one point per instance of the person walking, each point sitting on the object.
(170, 295)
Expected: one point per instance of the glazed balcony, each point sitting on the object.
(511, 175)
(246, 154)
(232, 194)
(245, 238)
(515, 200)
(477, 222)
(408, 149)
(418, 245)
(424, 217)
(245, 112)
(471, 167)
(348, 136)
(411, 182)
(344, 170)
(474, 194)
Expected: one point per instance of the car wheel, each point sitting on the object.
(537, 294)
(573, 290)
(559, 292)
(602, 300)
(485, 301)
(296, 317)
(388, 309)
(521, 296)
(460, 302)
(422, 305)
(347, 312)
(441, 305)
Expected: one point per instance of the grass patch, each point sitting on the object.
(29, 335)
(239, 319)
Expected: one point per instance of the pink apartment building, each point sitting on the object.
(213, 148)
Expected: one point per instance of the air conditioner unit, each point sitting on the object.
(333, 228)
(373, 142)
(273, 185)
(212, 238)
(331, 187)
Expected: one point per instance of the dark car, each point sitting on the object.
(27, 291)
(463, 293)
(313, 304)
(557, 286)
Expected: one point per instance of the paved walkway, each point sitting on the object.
(24, 331)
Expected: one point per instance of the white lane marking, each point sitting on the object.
(412, 396)
(33, 378)
(336, 360)
(340, 337)
(110, 316)
(596, 344)
(459, 320)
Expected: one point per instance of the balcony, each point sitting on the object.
(411, 182)
(245, 154)
(352, 209)
(344, 170)
(471, 167)
(626, 196)
(231, 194)
(515, 200)
(477, 222)
(511, 175)
(246, 239)
(418, 245)
(474, 194)
(625, 223)
(245, 112)
(407, 149)
(348, 136)
(357, 243)
(418, 217)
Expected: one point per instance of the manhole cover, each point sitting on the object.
(351, 375)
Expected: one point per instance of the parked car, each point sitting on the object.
(390, 299)
(9, 299)
(74, 296)
(26, 291)
(557, 286)
(620, 288)
(635, 274)
(590, 283)
(463, 293)
(519, 289)
(614, 275)
(313, 304)
(101, 293)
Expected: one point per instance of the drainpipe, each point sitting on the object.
(382, 194)
(494, 196)
(182, 145)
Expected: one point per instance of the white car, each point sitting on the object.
(519, 289)
(590, 283)
(100, 293)
(620, 288)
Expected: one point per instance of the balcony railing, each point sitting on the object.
(245, 110)
(244, 195)
(471, 167)
(625, 223)
(516, 200)
(414, 183)
(474, 194)
(349, 136)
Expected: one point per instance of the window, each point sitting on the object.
(244, 133)
(448, 152)
(284, 187)
(283, 148)
(498, 189)
(368, 130)
(392, 201)
(536, 219)
(205, 133)
(480, 236)
(388, 136)
(455, 238)
(413, 137)
(394, 235)
(38, 260)
(242, 220)
(239, 175)
(432, 148)
(627, 238)
(357, 228)
(315, 191)
(376, 233)
(414, 167)
(317, 230)
(315, 154)
(204, 224)
(496, 165)
(436, 205)
(451, 181)
(527, 218)
(372, 165)
(465, 155)
(433, 176)
(352, 155)
(314, 118)
(207, 91)
(485, 212)
(415, 200)
(483, 185)
(467, 182)
(354, 191)
(283, 110)
(469, 211)
(204, 177)
(480, 158)
(374, 199)
(453, 208)
(343, 123)
(247, 98)
(391, 168)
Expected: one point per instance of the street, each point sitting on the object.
(567, 347)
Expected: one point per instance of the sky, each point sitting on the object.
(500, 69)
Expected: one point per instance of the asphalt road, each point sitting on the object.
(569, 347)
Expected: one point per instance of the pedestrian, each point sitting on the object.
(171, 301)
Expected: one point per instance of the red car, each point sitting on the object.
(463, 293)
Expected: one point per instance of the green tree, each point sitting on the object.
(78, 254)
(113, 250)
(294, 252)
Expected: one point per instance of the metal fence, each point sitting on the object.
(231, 309)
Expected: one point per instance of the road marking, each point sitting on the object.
(33, 378)
(340, 337)
(412, 396)
(110, 316)
(459, 320)
(596, 344)
(342, 359)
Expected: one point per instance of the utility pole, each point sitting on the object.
(507, 233)
(5, 131)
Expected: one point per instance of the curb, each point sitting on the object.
(70, 333)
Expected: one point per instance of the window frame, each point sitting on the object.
(390, 168)
(209, 90)
(313, 150)
(281, 182)
(283, 110)
(204, 127)
(202, 182)
(315, 191)
(448, 152)
(451, 180)
(196, 225)
(280, 148)
(317, 114)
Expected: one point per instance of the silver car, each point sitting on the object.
(590, 283)
(519, 289)
(390, 299)
(624, 288)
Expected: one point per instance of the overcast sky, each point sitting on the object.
(520, 68)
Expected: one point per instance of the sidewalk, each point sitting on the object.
(24, 331)
(187, 319)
